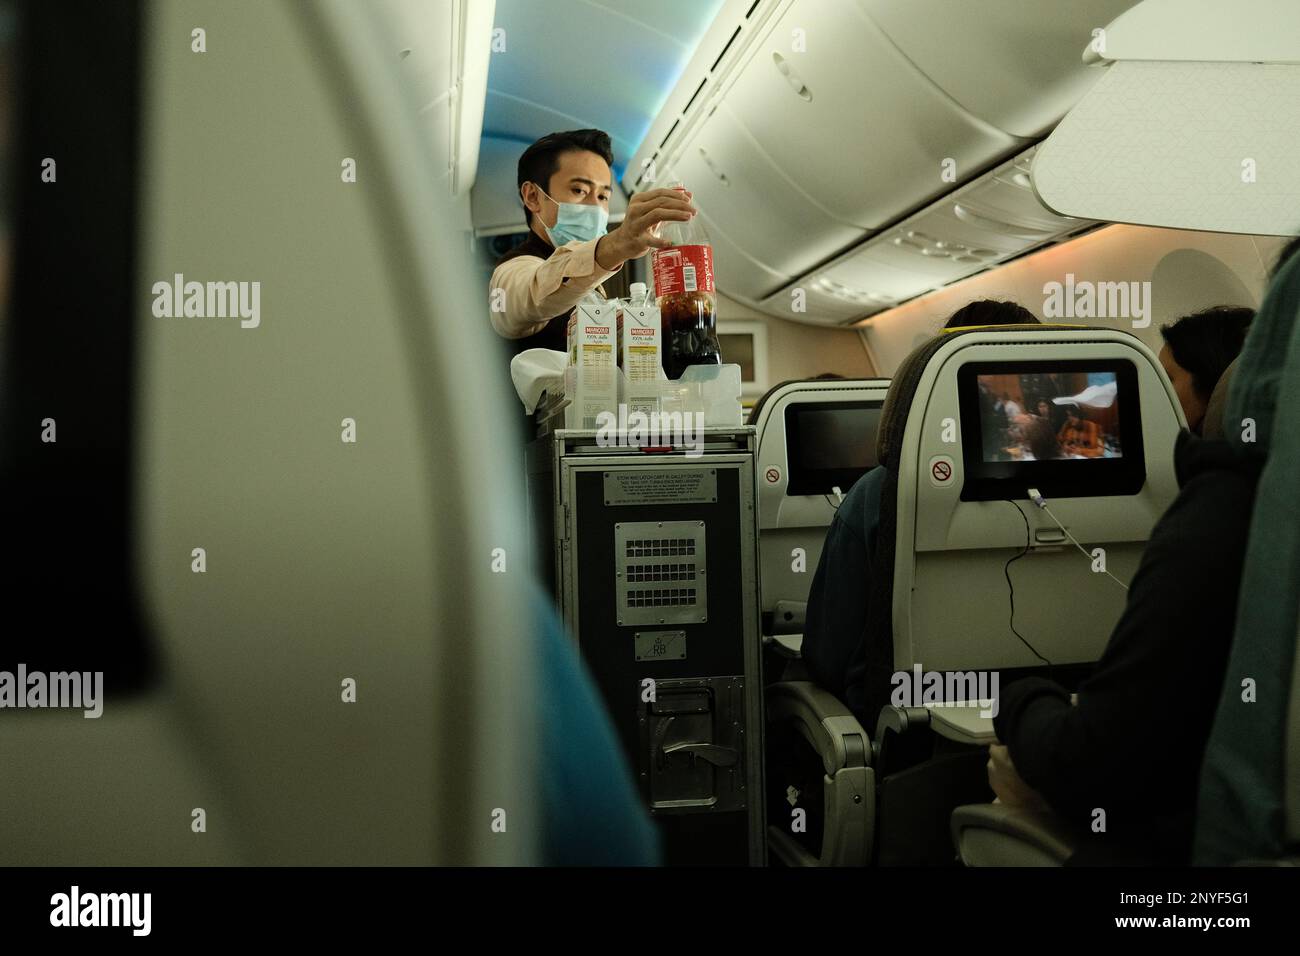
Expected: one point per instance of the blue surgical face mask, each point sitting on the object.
(575, 222)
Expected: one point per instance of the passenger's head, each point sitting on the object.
(574, 166)
(1197, 349)
(1044, 408)
(991, 312)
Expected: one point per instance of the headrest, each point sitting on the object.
(898, 402)
(1212, 423)
(758, 405)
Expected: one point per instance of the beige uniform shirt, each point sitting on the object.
(533, 290)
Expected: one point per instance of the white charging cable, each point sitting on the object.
(1038, 499)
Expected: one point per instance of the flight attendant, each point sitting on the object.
(564, 182)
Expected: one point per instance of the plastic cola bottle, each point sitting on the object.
(684, 290)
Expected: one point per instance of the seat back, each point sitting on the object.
(941, 564)
(1249, 802)
(812, 436)
(319, 497)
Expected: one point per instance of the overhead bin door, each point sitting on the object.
(1017, 64)
(737, 273)
(850, 120)
(425, 67)
(759, 213)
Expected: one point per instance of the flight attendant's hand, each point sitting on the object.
(634, 237)
(1011, 790)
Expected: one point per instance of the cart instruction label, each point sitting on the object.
(660, 645)
(661, 486)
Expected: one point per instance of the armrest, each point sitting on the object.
(789, 646)
(963, 723)
(824, 722)
(901, 739)
(990, 834)
(848, 798)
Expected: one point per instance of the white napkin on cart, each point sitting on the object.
(535, 372)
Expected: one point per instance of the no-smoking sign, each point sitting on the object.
(773, 475)
(941, 469)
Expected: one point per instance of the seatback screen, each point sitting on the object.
(829, 445)
(1070, 428)
(1046, 416)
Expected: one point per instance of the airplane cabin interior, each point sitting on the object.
(702, 436)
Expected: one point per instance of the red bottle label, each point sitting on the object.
(683, 269)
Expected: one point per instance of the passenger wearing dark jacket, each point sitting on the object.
(1132, 745)
(1128, 754)
(834, 638)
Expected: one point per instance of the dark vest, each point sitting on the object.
(555, 334)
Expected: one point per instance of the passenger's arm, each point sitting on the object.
(837, 609)
(527, 292)
(1006, 782)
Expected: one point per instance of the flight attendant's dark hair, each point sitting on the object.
(540, 160)
(1205, 343)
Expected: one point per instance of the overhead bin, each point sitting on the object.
(850, 119)
(802, 129)
(445, 82)
(995, 218)
(1191, 126)
(765, 214)
(1011, 63)
(743, 271)
(806, 127)
(891, 274)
